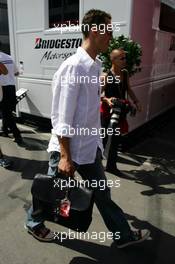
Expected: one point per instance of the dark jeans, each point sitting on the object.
(115, 140)
(111, 213)
(8, 105)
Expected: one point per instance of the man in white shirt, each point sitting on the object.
(76, 142)
(5, 163)
(8, 104)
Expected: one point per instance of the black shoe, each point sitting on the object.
(18, 140)
(5, 163)
(4, 134)
(42, 233)
(137, 237)
(113, 170)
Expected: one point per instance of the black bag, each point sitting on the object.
(48, 195)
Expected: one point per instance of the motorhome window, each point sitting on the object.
(3, 19)
(63, 12)
(4, 29)
(167, 18)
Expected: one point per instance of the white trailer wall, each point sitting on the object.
(29, 27)
(29, 22)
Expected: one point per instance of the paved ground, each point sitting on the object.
(146, 195)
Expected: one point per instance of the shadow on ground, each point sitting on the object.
(154, 159)
(158, 250)
(156, 173)
(33, 144)
(28, 167)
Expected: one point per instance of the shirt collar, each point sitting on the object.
(86, 59)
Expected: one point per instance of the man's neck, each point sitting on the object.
(88, 47)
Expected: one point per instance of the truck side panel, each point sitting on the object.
(42, 50)
(157, 78)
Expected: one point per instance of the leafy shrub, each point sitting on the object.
(133, 54)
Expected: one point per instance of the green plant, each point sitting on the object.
(133, 54)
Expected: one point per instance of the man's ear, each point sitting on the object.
(94, 30)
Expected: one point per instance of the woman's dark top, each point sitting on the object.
(115, 89)
(118, 90)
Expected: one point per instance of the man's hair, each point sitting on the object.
(93, 17)
(0, 45)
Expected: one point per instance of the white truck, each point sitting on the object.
(43, 34)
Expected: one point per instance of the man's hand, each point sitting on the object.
(66, 167)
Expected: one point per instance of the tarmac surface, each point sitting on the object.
(146, 194)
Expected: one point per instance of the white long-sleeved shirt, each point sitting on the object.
(75, 107)
(8, 79)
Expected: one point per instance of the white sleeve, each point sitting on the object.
(64, 102)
